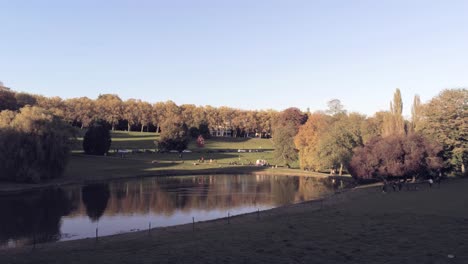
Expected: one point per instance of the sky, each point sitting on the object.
(248, 54)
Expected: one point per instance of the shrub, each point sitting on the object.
(97, 139)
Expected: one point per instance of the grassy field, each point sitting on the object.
(146, 140)
(218, 149)
(220, 156)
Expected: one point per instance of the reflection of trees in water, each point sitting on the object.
(95, 198)
(221, 192)
(284, 189)
(36, 215)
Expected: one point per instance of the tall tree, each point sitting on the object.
(416, 111)
(307, 141)
(131, 112)
(145, 113)
(286, 127)
(445, 119)
(394, 123)
(336, 145)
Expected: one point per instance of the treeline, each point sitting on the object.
(433, 141)
(385, 145)
(138, 115)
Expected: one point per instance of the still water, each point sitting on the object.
(75, 212)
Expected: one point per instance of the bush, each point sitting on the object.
(97, 139)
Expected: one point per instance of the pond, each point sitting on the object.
(75, 212)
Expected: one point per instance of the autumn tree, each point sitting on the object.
(7, 100)
(109, 108)
(131, 112)
(145, 113)
(24, 99)
(445, 119)
(286, 128)
(396, 156)
(307, 141)
(81, 111)
(54, 105)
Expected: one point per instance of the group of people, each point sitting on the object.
(397, 185)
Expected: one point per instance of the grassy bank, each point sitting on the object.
(359, 226)
(220, 156)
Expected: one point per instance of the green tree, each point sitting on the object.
(338, 140)
(174, 136)
(97, 140)
(445, 119)
(394, 123)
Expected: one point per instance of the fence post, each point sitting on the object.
(228, 217)
(193, 224)
(97, 235)
(258, 213)
(149, 229)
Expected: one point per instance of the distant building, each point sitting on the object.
(221, 132)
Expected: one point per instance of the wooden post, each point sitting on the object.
(258, 214)
(193, 224)
(97, 235)
(149, 229)
(228, 218)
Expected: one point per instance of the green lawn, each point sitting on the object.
(145, 140)
(219, 155)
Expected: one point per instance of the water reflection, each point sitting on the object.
(95, 198)
(74, 212)
(34, 217)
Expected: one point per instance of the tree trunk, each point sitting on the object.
(341, 169)
(128, 125)
(463, 168)
(113, 127)
(157, 129)
(142, 127)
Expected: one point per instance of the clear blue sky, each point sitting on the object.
(250, 54)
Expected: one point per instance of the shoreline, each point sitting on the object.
(78, 178)
(360, 225)
(318, 204)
